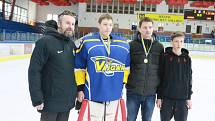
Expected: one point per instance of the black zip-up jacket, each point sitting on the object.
(144, 78)
(176, 75)
(51, 73)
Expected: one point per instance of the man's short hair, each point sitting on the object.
(177, 34)
(145, 19)
(66, 12)
(104, 16)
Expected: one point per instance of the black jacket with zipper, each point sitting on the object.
(51, 73)
(176, 75)
(144, 77)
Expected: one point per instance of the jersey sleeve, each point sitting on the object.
(80, 64)
(127, 69)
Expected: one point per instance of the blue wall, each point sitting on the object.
(16, 26)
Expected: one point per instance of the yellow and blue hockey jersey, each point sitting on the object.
(102, 74)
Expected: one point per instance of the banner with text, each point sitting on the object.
(162, 17)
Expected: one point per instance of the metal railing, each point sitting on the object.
(200, 44)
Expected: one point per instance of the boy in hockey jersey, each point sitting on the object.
(175, 89)
(102, 67)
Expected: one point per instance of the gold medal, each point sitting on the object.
(145, 60)
(108, 61)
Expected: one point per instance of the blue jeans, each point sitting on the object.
(133, 103)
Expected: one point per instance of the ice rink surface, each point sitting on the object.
(15, 104)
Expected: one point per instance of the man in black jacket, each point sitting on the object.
(144, 77)
(51, 72)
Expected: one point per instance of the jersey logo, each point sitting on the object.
(107, 65)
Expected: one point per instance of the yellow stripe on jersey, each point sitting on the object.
(80, 76)
(87, 40)
(123, 41)
(87, 76)
(126, 74)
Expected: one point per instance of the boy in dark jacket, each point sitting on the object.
(175, 89)
(51, 72)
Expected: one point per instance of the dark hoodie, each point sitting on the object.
(51, 73)
(176, 75)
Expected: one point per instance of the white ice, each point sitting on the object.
(15, 104)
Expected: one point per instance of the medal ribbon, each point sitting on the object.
(144, 47)
(107, 46)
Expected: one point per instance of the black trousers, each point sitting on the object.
(176, 108)
(54, 116)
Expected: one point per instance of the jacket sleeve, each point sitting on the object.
(190, 79)
(161, 74)
(38, 59)
(80, 66)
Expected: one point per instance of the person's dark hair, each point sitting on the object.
(104, 16)
(66, 12)
(145, 19)
(52, 24)
(177, 34)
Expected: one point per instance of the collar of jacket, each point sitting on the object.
(55, 33)
(183, 51)
(137, 37)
